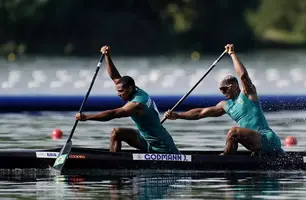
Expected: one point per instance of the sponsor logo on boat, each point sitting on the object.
(46, 154)
(77, 156)
(55, 155)
(162, 157)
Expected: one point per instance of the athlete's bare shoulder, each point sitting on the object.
(221, 104)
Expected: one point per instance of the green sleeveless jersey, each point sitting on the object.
(148, 123)
(247, 113)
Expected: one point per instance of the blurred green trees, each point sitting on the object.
(280, 20)
(134, 27)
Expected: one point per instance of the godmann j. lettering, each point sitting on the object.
(162, 157)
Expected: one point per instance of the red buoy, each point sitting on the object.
(290, 141)
(56, 134)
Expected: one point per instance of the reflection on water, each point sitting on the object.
(157, 185)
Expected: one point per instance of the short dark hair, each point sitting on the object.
(126, 81)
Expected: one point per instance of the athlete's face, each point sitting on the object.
(229, 91)
(123, 92)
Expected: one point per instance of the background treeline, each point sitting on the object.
(146, 27)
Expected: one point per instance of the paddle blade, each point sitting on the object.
(62, 157)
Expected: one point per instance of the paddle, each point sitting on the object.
(64, 153)
(185, 96)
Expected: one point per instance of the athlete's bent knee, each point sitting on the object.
(233, 133)
(115, 134)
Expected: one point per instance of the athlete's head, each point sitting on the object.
(125, 87)
(229, 86)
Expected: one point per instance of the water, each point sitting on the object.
(32, 130)
(213, 185)
(273, 72)
(25, 130)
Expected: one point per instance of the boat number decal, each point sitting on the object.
(60, 159)
(304, 159)
(46, 154)
(162, 157)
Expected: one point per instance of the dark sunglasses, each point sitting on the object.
(225, 88)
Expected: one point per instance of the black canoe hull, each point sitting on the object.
(87, 159)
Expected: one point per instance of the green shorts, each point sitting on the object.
(270, 142)
(165, 146)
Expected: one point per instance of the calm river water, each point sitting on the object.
(32, 130)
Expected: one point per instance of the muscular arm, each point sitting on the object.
(198, 113)
(111, 69)
(248, 87)
(127, 110)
